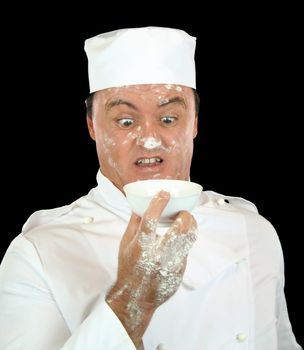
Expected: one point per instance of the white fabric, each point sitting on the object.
(55, 275)
(148, 55)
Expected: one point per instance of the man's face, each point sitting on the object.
(144, 132)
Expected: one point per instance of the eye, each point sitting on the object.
(125, 123)
(168, 120)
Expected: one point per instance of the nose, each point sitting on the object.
(148, 136)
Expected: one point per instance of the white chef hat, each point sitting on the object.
(148, 55)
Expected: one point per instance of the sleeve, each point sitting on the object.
(286, 338)
(30, 318)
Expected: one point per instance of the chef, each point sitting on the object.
(93, 275)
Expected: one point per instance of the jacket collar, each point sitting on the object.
(111, 197)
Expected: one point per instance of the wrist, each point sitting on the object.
(135, 315)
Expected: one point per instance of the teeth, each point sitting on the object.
(148, 160)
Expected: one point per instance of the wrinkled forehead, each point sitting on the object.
(158, 93)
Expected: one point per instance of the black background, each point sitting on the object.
(250, 139)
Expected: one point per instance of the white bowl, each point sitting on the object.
(184, 195)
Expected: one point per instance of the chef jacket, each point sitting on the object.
(56, 273)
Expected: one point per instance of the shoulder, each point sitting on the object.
(70, 214)
(249, 211)
(237, 202)
(51, 231)
(47, 216)
(260, 231)
(243, 206)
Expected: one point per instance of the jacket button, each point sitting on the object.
(162, 347)
(241, 337)
(221, 201)
(88, 219)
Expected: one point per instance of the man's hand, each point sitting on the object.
(150, 267)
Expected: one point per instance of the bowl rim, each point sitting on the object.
(198, 188)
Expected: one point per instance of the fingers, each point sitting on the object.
(181, 235)
(183, 223)
(149, 221)
(131, 228)
(151, 217)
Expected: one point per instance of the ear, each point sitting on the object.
(90, 125)
(195, 127)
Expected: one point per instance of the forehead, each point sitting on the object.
(155, 93)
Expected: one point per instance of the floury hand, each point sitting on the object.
(150, 267)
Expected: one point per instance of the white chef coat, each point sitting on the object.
(55, 275)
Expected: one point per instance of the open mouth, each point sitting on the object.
(149, 161)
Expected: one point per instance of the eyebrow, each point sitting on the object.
(163, 103)
(176, 99)
(118, 102)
